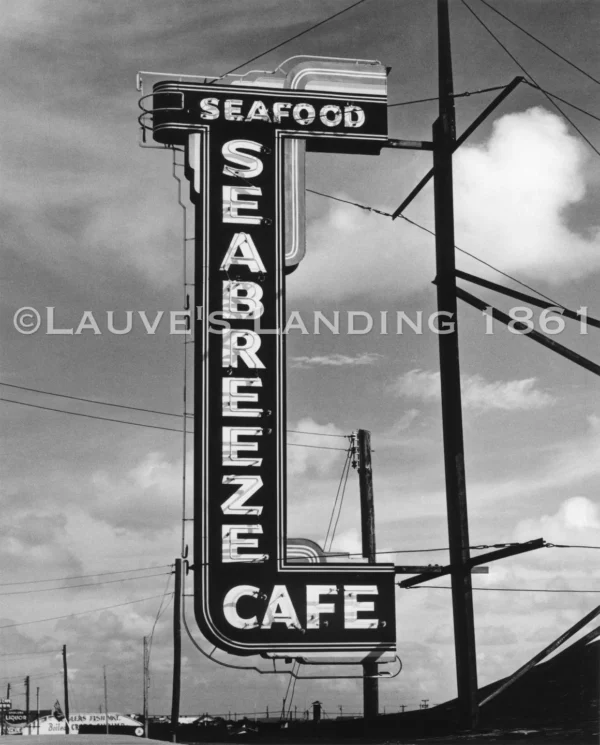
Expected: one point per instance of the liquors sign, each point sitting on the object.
(244, 148)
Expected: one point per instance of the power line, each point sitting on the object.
(317, 434)
(499, 589)
(340, 491)
(431, 232)
(89, 416)
(522, 68)
(28, 654)
(83, 576)
(455, 95)
(90, 400)
(158, 615)
(296, 36)
(482, 547)
(78, 613)
(563, 100)
(132, 408)
(87, 584)
(539, 41)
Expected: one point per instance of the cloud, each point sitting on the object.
(478, 394)
(141, 499)
(351, 252)
(337, 360)
(513, 195)
(319, 457)
(577, 521)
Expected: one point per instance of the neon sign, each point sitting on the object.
(244, 148)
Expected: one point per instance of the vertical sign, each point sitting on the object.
(249, 598)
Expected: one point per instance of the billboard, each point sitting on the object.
(244, 142)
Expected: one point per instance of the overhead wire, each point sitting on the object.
(539, 41)
(296, 36)
(86, 584)
(563, 100)
(159, 613)
(501, 589)
(528, 74)
(338, 502)
(89, 400)
(383, 213)
(133, 408)
(29, 654)
(83, 576)
(466, 94)
(77, 613)
(89, 416)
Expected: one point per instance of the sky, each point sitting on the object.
(91, 223)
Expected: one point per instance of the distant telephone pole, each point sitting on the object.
(27, 699)
(106, 701)
(37, 708)
(146, 686)
(66, 688)
(367, 514)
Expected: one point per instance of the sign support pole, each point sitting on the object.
(176, 651)
(444, 139)
(66, 689)
(367, 513)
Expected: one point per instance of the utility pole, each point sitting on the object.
(176, 650)
(37, 708)
(444, 138)
(146, 686)
(8, 690)
(367, 515)
(66, 689)
(27, 700)
(106, 701)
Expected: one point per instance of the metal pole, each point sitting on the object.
(146, 681)
(367, 515)
(176, 650)
(66, 689)
(444, 137)
(106, 701)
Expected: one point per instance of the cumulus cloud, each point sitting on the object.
(319, 457)
(513, 195)
(577, 521)
(141, 499)
(336, 360)
(351, 252)
(478, 394)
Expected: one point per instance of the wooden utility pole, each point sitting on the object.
(37, 708)
(27, 700)
(106, 701)
(444, 139)
(66, 689)
(367, 515)
(146, 677)
(176, 650)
